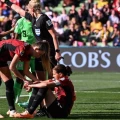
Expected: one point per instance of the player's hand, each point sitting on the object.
(58, 56)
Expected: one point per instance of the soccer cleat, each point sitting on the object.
(24, 115)
(13, 114)
(23, 105)
(1, 116)
(40, 113)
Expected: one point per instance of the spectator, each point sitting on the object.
(84, 32)
(101, 17)
(90, 16)
(80, 16)
(95, 25)
(84, 11)
(57, 28)
(109, 28)
(71, 34)
(48, 12)
(104, 35)
(63, 18)
(115, 35)
(113, 18)
(89, 4)
(72, 12)
(101, 3)
(95, 8)
(106, 11)
(55, 17)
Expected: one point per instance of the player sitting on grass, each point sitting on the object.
(59, 103)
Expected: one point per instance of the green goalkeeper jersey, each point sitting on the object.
(24, 29)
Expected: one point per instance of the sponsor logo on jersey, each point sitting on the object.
(37, 32)
(49, 23)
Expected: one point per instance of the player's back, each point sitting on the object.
(24, 28)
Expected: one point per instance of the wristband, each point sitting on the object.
(8, 3)
(57, 50)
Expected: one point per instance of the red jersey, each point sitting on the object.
(8, 48)
(65, 93)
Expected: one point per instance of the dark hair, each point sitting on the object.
(66, 70)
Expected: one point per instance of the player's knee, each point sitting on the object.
(42, 91)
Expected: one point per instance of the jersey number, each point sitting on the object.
(24, 33)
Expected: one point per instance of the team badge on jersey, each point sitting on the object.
(21, 53)
(49, 23)
(37, 32)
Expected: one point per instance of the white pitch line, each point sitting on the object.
(3, 97)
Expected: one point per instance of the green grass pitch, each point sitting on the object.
(98, 97)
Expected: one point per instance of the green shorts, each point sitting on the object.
(32, 65)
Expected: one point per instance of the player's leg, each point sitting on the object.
(32, 69)
(9, 83)
(18, 84)
(41, 75)
(0, 85)
(36, 98)
(39, 72)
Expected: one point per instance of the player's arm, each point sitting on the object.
(6, 32)
(56, 44)
(15, 7)
(27, 72)
(13, 68)
(48, 84)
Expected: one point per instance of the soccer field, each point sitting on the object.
(98, 97)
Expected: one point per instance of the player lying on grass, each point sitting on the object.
(15, 51)
(59, 103)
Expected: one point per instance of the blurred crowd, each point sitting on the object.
(90, 23)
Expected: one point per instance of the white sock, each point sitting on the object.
(12, 111)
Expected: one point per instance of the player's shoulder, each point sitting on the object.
(44, 16)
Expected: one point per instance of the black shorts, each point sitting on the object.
(56, 110)
(3, 64)
(39, 66)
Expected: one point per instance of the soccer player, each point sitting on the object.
(23, 31)
(59, 104)
(42, 29)
(15, 51)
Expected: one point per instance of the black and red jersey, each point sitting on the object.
(65, 93)
(10, 47)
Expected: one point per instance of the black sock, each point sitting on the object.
(37, 100)
(10, 93)
(34, 93)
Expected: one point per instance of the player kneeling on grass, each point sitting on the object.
(59, 103)
(15, 50)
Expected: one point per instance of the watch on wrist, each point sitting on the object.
(57, 50)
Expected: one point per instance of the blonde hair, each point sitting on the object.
(36, 6)
(45, 47)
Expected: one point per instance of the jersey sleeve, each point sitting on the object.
(18, 27)
(49, 24)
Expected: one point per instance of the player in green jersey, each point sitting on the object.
(23, 31)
